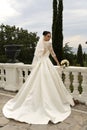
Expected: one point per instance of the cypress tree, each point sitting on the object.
(80, 55)
(54, 19)
(57, 35)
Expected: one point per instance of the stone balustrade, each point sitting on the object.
(12, 76)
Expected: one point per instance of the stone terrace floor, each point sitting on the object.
(76, 121)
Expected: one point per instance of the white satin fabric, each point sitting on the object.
(43, 97)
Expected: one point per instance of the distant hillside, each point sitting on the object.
(83, 49)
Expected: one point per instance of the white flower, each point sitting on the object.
(64, 63)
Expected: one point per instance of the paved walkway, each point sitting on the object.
(76, 121)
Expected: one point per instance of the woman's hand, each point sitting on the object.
(58, 63)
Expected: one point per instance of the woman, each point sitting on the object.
(43, 97)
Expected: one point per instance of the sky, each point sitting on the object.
(36, 16)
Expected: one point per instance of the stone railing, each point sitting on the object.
(12, 76)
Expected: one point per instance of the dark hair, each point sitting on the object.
(45, 33)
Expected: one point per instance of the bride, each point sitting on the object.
(43, 97)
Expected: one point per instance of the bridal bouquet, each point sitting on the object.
(64, 63)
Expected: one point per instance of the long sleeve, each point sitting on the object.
(51, 50)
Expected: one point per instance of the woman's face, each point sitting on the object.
(47, 37)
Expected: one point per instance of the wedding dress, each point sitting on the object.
(43, 97)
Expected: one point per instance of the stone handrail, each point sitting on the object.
(12, 77)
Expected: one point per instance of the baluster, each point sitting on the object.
(20, 77)
(67, 80)
(4, 78)
(4, 75)
(23, 75)
(2, 83)
(75, 85)
(63, 77)
(1, 77)
(83, 96)
(71, 82)
(26, 73)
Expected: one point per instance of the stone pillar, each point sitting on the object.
(11, 77)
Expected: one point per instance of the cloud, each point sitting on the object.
(75, 22)
(6, 11)
(75, 40)
(36, 16)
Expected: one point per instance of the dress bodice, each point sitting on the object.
(43, 50)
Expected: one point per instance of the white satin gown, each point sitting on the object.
(43, 97)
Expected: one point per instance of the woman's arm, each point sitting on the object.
(56, 60)
(53, 54)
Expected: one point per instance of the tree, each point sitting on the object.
(57, 35)
(67, 49)
(80, 55)
(68, 54)
(54, 19)
(15, 35)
